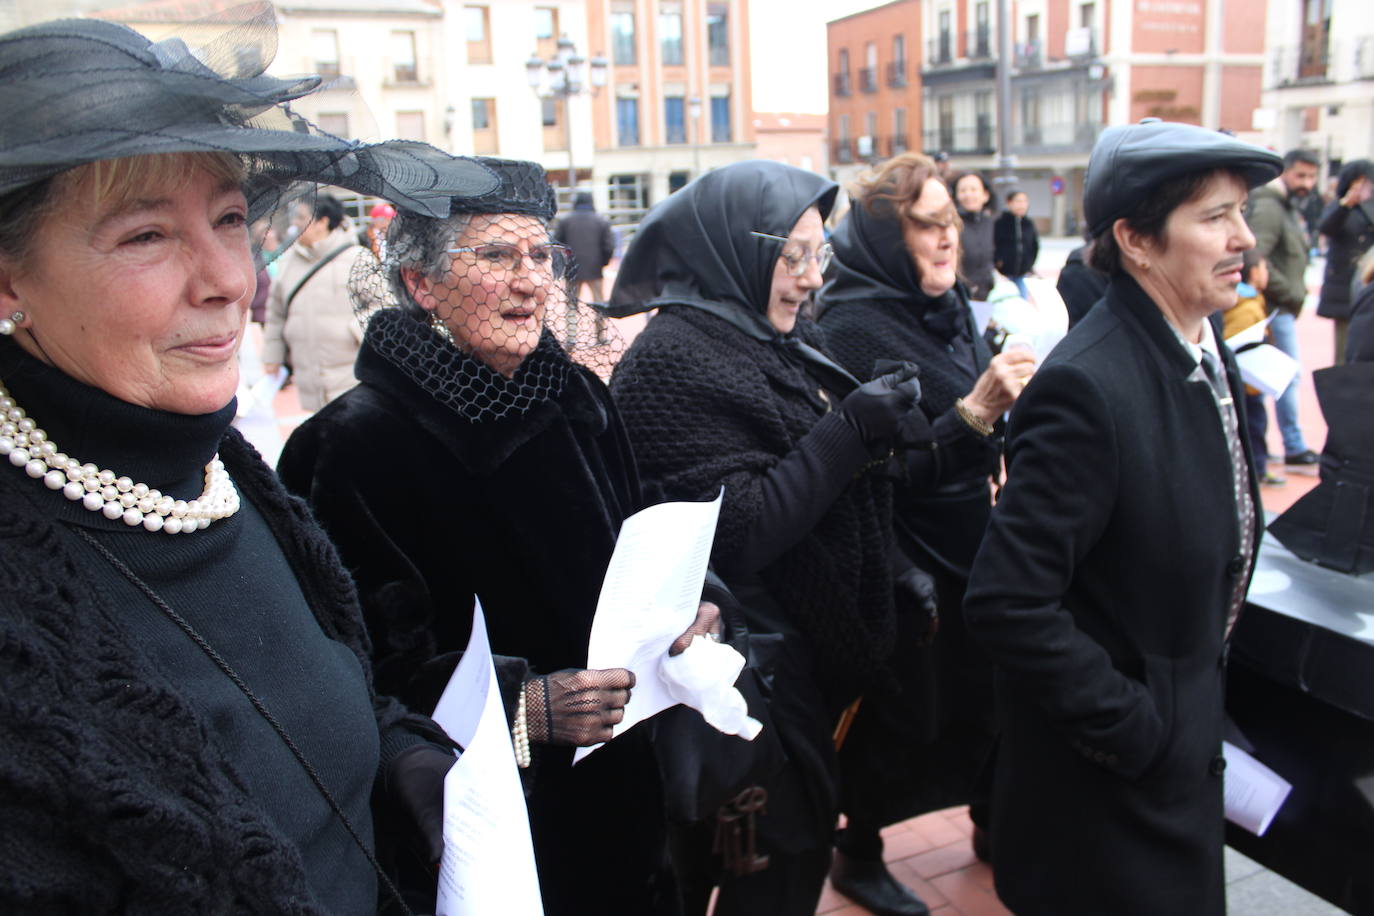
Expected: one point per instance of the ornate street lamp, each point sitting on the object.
(562, 77)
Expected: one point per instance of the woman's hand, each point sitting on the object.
(707, 624)
(1354, 195)
(1000, 384)
(576, 706)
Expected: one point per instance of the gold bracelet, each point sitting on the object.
(520, 733)
(972, 420)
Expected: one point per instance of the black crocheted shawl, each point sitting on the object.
(111, 795)
(705, 406)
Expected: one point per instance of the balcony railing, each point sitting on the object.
(940, 51)
(1030, 55)
(844, 150)
(1060, 135)
(966, 141)
(841, 81)
(978, 43)
(1291, 65)
(896, 74)
(868, 79)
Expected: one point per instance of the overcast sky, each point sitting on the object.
(787, 46)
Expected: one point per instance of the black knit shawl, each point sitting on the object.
(138, 813)
(705, 406)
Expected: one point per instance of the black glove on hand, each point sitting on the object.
(917, 587)
(416, 780)
(875, 408)
(576, 706)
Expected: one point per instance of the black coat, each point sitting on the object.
(523, 513)
(1359, 345)
(1016, 244)
(591, 238)
(919, 750)
(114, 795)
(1101, 592)
(1350, 233)
(976, 253)
(1080, 285)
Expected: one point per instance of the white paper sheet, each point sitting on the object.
(1254, 793)
(649, 598)
(1268, 369)
(488, 861)
(1251, 335)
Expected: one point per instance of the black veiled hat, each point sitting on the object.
(78, 91)
(1131, 161)
(699, 241)
(523, 187)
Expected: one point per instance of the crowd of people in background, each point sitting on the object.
(241, 713)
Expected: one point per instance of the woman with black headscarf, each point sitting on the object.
(525, 476)
(895, 295)
(1348, 224)
(726, 388)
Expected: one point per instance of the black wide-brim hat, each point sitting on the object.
(78, 91)
(1130, 162)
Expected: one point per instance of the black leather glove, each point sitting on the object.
(916, 588)
(415, 780)
(576, 706)
(876, 408)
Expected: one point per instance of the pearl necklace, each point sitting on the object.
(100, 490)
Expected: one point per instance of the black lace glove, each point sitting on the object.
(707, 623)
(576, 706)
(876, 408)
(415, 779)
(917, 587)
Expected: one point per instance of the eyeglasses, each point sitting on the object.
(549, 257)
(796, 263)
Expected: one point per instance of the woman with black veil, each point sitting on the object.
(895, 295)
(509, 476)
(727, 387)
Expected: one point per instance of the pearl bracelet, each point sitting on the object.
(520, 733)
(972, 420)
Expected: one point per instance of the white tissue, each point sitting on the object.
(703, 677)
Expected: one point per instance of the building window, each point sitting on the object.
(670, 34)
(982, 113)
(479, 34)
(944, 50)
(868, 75)
(720, 119)
(674, 119)
(718, 33)
(545, 31)
(842, 74)
(899, 137)
(555, 131)
(403, 57)
(410, 125)
(627, 121)
(549, 112)
(324, 45)
(484, 126)
(678, 180)
(623, 38)
(982, 31)
(334, 122)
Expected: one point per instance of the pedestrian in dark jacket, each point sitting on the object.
(1079, 284)
(1360, 343)
(1016, 244)
(1348, 224)
(1106, 603)
(727, 387)
(592, 240)
(974, 198)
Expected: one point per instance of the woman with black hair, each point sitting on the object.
(727, 387)
(974, 198)
(1348, 224)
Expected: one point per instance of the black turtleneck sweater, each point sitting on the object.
(233, 584)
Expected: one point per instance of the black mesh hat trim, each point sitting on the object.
(523, 188)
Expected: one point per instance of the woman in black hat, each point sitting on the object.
(726, 387)
(520, 476)
(1119, 554)
(188, 718)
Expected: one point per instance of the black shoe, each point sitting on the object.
(1304, 457)
(872, 886)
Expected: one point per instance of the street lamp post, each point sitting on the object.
(561, 77)
(694, 109)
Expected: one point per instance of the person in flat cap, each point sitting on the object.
(1118, 557)
(188, 720)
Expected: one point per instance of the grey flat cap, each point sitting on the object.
(1129, 163)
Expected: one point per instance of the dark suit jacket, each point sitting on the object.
(1101, 590)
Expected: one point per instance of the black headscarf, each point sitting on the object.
(696, 249)
(872, 263)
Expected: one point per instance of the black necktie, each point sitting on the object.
(1240, 480)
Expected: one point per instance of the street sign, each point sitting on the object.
(1056, 185)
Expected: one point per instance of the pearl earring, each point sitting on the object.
(8, 325)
